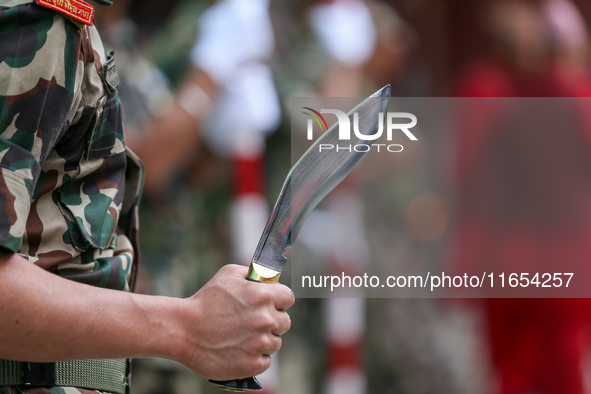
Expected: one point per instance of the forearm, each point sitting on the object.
(227, 330)
(171, 140)
(44, 317)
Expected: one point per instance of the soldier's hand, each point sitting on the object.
(234, 325)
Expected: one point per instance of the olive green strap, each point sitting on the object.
(11, 373)
(101, 374)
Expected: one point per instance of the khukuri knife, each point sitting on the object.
(314, 175)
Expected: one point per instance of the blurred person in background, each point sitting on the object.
(228, 92)
(224, 107)
(226, 103)
(524, 188)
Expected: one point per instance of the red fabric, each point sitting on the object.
(537, 345)
(349, 355)
(249, 175)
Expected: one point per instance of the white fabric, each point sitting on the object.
(346, 380)
(249, 105)
(345, 318)
(248, 216)
(233, 33)
(236, 37)
(346, 29)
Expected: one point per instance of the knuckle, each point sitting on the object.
(264, 364)
(257, 365)
(266, 321)
(231, 269)
(267, 295)
(251, 365)
(224, 271)
(262, 295)
(263, 343)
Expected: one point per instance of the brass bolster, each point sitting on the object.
(262, 274)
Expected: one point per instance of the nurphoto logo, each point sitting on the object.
(344, 124)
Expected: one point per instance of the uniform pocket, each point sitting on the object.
(91, 200)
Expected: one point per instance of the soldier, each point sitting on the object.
(69, 190)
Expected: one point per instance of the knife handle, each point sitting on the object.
(262, 274)
(239, 385)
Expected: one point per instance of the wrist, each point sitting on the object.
(167, 336)
(188, 342)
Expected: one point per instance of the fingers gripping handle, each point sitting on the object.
(256, 273)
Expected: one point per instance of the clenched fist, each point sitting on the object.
(234, 325)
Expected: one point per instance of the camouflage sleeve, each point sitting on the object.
(37, 85)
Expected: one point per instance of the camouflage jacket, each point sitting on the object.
(69, 188)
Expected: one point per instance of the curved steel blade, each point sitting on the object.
(312, 178)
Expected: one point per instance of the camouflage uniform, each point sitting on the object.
(69, 188)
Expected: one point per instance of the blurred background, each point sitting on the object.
(206, 89)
